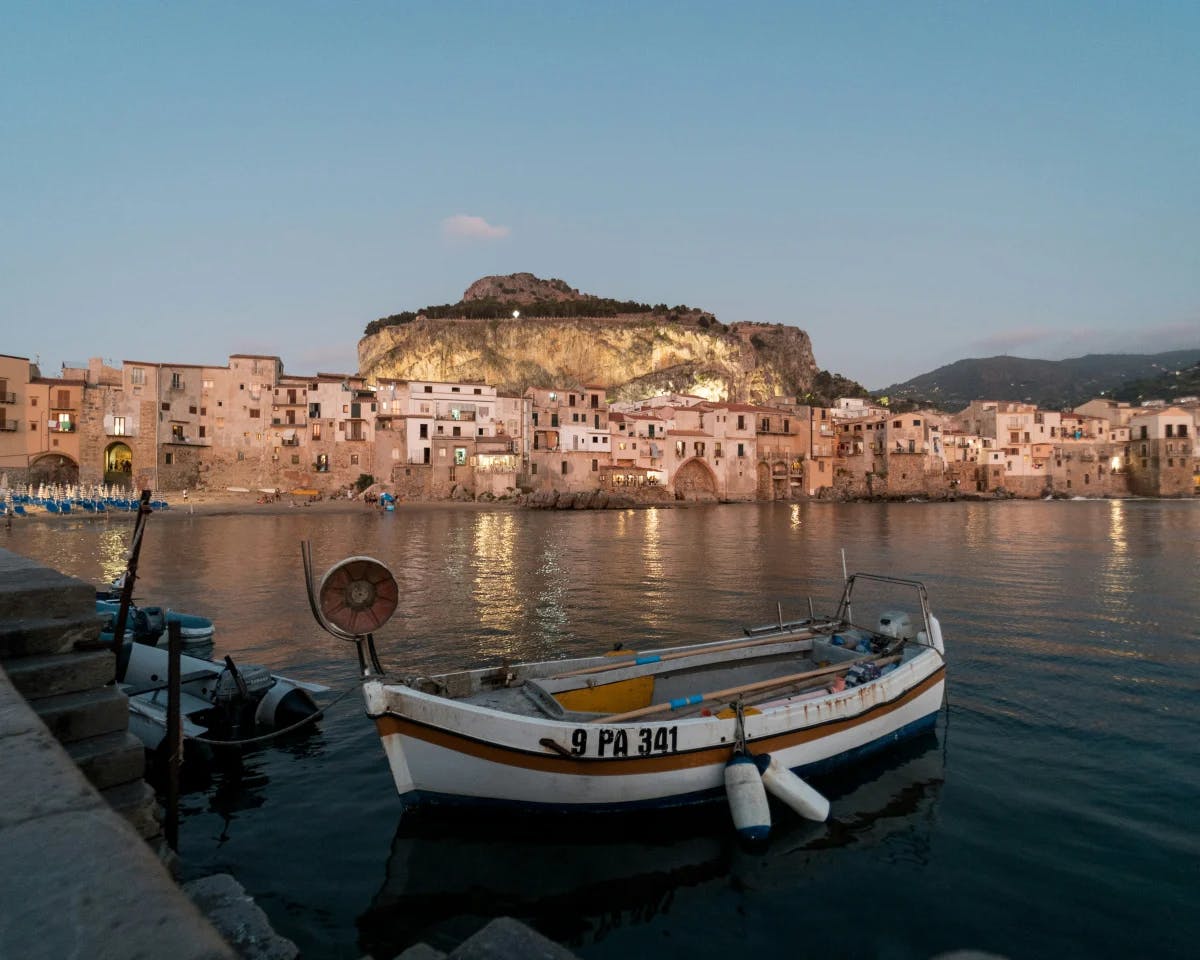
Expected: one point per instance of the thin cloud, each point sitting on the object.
(462, 226)
(1009, 340)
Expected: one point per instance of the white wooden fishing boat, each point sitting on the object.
(657, 728)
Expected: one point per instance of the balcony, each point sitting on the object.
(290, 442)
(8, 426)
(58, 406)
(60, 427)
(286, 424)
(123, 432)
(8, 398)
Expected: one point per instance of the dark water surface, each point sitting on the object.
(1056, 812)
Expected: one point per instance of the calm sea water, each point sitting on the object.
(1056, 812)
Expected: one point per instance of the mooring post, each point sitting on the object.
(174, 732)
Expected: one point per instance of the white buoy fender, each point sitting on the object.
(747, 798)
(786, 786)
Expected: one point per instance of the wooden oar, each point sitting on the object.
(694, 652)
(734, 691)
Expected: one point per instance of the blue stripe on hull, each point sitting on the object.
(416, 798)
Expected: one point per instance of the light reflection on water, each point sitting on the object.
(1073, 665)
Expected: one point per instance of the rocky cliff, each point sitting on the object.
(633, 354)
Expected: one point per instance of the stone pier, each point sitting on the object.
(77, 876)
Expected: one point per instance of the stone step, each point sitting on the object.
(25, 586)
(110, 759)
(47, 634)
(77, 716)
(49, 675)
(137, 804)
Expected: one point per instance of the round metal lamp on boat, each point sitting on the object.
(356, 598)
(358, 595)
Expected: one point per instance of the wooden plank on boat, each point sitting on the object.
(744, 688)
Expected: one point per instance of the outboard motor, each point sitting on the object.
(896, 624)
(237, 693)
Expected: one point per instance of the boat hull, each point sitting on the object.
(441, 751)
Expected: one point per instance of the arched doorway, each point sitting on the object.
(695, 481)
(762, 490)
(118, 463)
(54, 468)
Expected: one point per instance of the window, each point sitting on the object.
(295, 459)
(168, 458)
(698, 447)
(176, 383)
(917, 423)
(33, 401)
(571, 403)
(64, 403)
(478, 391)
(255, 414)
(741, 422)
(680, 448)
(423, 431)
(897, 424)
(137, 376)
(460, 456)
(316, 431)
(1170, 426)
(202, 431)
(177, 432)
(533, 469)
(456, 431)
(322, 463)
(191, 409)
(203, 411)
(165, 406)
(741, 449)
(119, 427)
(554, 419)
(455, 390)
(717, 450)
(595, 465)
(564, 467)
(206, 384)
(428, 389)
(354, 459)
(765, 425)
(786, 424)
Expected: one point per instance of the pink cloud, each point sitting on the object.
(465, 227)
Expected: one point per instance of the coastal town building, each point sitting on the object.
(250, 426)
(1163, 456)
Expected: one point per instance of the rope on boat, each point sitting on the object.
(311, 718)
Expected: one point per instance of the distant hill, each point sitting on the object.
(1053, 384)
(1167, 386)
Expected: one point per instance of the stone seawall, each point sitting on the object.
(79, 878)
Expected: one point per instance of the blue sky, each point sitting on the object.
(910, 183)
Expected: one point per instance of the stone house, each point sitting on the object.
(14, 417)
(1163, 457)
(570, 438)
